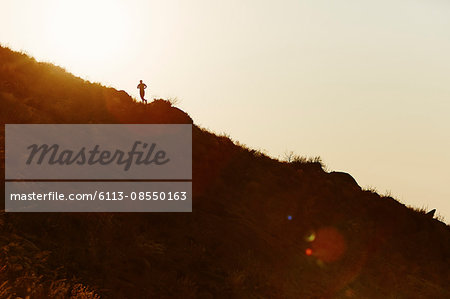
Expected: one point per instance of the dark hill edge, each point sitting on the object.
(37, 92)
(248, 232)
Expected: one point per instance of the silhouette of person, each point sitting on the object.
(142, 88)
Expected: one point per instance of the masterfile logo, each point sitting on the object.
(54, 155)
(51, 151)
(98, 168)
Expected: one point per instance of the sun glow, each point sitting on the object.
(86, 32)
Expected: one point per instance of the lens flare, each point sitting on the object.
(327, 244)
(310, 237)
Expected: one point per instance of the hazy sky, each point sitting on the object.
(364, 84)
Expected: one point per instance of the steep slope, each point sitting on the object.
(259, 227)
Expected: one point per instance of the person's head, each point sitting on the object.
(140, 81)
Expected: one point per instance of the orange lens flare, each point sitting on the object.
(327, 243)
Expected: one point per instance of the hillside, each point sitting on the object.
(260, 228)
